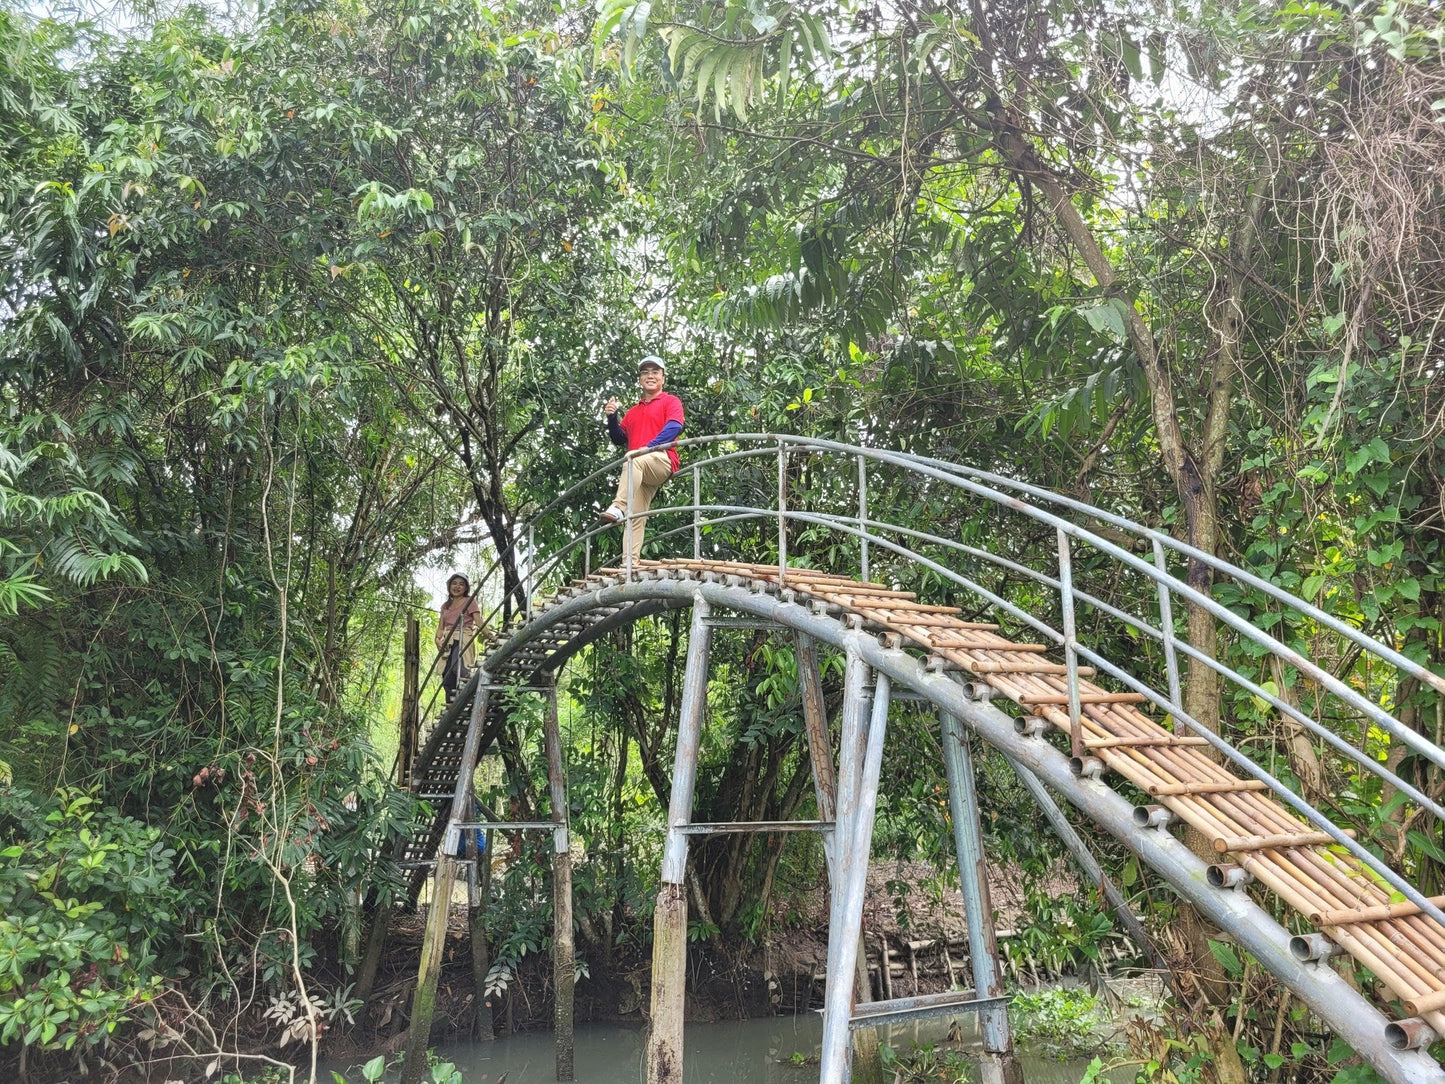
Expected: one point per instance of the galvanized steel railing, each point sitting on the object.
(856, 476)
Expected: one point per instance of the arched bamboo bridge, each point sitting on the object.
(1339, 895)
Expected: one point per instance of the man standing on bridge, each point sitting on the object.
(654, 423)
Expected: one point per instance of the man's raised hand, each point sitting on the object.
(611, 407)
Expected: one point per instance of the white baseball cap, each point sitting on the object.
(651, 359)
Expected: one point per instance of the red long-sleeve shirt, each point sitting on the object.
(644, 424)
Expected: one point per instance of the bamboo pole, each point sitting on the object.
(1207, 788)
(371, 959)
(407, 729)
(1345, 916)
(1278, 841)
(423, 1005)
(1084, 698)
(1423, 1003)
(1163, 742)
(970, 643)
(1031, 666)
(669, 939)
(564, 965)
(912, 619)
(484, 1026)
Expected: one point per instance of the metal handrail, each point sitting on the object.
(1037, 505)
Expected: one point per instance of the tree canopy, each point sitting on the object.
(296, 303)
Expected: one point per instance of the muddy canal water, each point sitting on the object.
(741, 1052)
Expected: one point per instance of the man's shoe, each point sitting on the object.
(611, 514)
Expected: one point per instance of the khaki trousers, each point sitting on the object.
(640, 481)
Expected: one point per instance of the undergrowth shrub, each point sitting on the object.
(87, 918)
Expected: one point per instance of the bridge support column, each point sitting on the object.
(564, 972)
(444, 878)
(860, 762)
(479, 886)
(1000, 1064)
(371, 958)
(867, 1064)
(669, 937)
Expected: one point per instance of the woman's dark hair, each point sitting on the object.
(466, 583)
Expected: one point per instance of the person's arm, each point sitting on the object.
(672, 427)
(666, 435)
(615, 430)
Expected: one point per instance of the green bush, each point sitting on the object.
(86, 904)
(1060, 1022)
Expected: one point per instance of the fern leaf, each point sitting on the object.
(18, 591)
(785, 64)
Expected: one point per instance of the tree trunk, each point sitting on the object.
(1192, 472)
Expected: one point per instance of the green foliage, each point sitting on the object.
(925, 1062)
(1063, 934)
(1061, 1022)
(294, 305)
(87, 901)
(1357, 1074)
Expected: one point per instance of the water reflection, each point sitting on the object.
(776, 1050)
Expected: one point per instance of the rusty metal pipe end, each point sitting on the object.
(1228, 875)
(1153, 816)
(1086, 767)
(1313, 947)
(1411, 1034)
(1031, 726)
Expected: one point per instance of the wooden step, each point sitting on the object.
(1277, 841)
(1378, 913)
(1031, 666)
(967, 643)
(1164, 790)
(1084, 698)
(1164, 741)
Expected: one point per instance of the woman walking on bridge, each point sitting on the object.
(456, 633)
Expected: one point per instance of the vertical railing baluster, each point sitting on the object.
(530, 586)
(1000, 1063)
(696, 514)
(782, 511)
(863, 511)
(1071, 655)
(838, 994)
(627, 526)
(1166, 630)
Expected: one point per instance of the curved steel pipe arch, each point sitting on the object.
(1354, 1019)
(1016, 497)
(919, 549)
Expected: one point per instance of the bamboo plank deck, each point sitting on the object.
(1323, 883)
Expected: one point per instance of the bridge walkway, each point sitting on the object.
(1287, 884)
